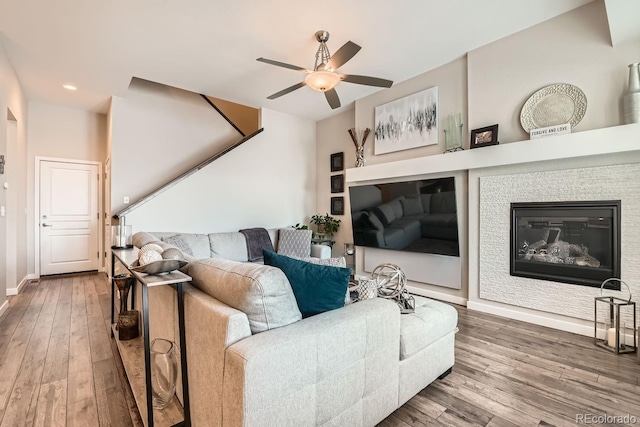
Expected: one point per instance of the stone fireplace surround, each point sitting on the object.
(578, 166)
(497, 192)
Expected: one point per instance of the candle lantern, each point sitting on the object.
(121, 235)
(619, 322)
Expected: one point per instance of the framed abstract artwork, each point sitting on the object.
(337, 183)
(337, 162)
(337, 206)
(409, 122)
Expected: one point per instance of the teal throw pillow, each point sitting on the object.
(317, 288)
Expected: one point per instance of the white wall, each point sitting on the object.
(64, 133)
(157, 133)
(451, 80)
(491, 84)
(270, 181)
(572, 48)
(12, 99)
(332, 137)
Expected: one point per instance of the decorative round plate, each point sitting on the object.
(159, 267)
(554, 105)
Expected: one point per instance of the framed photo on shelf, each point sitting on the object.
(337, 206)
(337, 183)
(484, 136)
(337, 162)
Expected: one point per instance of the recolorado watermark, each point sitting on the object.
(605, 419)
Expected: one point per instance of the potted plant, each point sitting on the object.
(326, 226)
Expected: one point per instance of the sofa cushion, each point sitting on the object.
(444, 202)
(180, 242)
(196, 245)
(431, 321)
(386, 213)
(396, 205)
(371, 220)
(426, 203)
(440, 220)
(142, 238)
(411, 206)
(294, 243)
(317, 288)
(232, 246)
(263, 293)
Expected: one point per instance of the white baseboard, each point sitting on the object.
(4, 307)
(580, 327)
(437, 295)
(24, 281)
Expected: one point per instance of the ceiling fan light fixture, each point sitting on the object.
(322, 81)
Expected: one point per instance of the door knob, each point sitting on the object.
(47, 225)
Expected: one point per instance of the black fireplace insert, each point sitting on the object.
(569, 242)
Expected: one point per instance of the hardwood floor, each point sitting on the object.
(59, 367)
(511, 373)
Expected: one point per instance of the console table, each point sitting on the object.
(136, 353)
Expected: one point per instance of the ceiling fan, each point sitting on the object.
(324, 75)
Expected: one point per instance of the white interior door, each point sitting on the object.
(107, 216)
(68, 217)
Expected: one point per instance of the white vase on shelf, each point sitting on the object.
(631, 98)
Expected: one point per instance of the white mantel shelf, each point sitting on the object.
(617, 139)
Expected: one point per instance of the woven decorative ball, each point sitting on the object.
(149, 257)
(172, 253)
(390, 278)
(151, 247)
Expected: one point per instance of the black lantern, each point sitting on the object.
(616, 331)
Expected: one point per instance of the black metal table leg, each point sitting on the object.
(183, 357)
(132, 292)
(147, 354)
(113, 290)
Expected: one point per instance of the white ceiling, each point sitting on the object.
(211, 46)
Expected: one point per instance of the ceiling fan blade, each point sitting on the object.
(366, 80)
(332, 98)
(287, 90)
(282, 64)
(345, 53)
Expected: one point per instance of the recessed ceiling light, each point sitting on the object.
(69, 87)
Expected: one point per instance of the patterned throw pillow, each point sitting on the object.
(294, 243)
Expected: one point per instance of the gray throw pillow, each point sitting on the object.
(294, 243)
(370, 220)
(396, 205)
(388, 213)
(412, 205)
(180, 242)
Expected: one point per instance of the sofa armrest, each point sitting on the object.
(314, 370)
(320, 251)
(211, 326)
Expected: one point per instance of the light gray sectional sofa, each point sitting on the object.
(253, 360)
(396, 224)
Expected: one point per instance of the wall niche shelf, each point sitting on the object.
(617, 139)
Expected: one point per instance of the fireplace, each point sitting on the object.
(569, 242)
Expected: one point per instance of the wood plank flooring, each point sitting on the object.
(59, 367)
(511, 373)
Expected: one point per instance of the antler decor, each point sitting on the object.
(359, 137)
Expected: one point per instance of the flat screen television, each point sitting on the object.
(411, 216)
